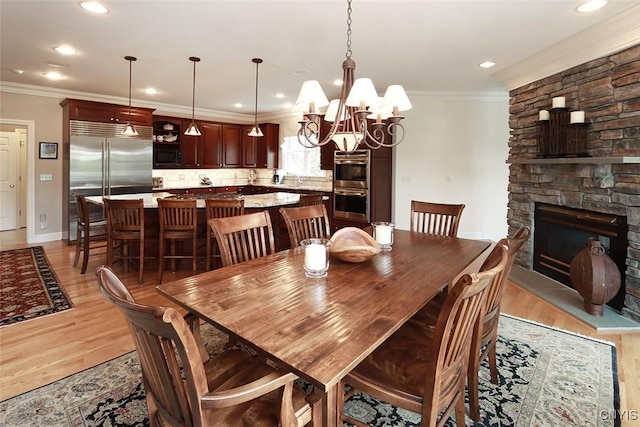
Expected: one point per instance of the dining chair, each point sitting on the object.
(435, 218)
(219, 208)
(87, 232)
(310, 199)
(422, 373)
(178, 223)
(484, 343)
(306, 222)
(125, 225)
(227, 389)
(244, 237)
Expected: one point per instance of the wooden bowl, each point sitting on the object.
(352, 244)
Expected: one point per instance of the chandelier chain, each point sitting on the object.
(349, 29)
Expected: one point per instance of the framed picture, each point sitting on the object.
(48, 150)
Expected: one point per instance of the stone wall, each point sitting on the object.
(608, 90)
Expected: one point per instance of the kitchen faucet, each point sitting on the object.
(297, 176)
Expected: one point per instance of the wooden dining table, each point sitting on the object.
(322, 328)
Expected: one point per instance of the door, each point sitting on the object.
(129, 166)
(9, 148)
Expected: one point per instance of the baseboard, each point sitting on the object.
(570, 301)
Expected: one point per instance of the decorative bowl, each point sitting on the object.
(352, 244)
(167, 126)
(170, 138)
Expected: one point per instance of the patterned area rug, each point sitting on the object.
(29, 287)
(548, 377)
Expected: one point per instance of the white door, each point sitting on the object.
(9, 149)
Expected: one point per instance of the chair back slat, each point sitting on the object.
(306, 222)
(244, 237)
(177, 214)
(124, 215)
(435, 218)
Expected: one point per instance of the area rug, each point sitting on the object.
(548, 377)
(29, 287)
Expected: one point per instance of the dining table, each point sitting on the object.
(321, 328)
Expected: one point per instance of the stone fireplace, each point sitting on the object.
(605, 182)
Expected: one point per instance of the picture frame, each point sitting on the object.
(48, 150)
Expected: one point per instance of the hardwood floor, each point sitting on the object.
(36, 352)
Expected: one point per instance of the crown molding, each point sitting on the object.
(613, 35)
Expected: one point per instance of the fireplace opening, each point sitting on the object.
(560, 233)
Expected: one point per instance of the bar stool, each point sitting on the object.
(310, 199)
(125, 224)
(178, 222)
(219, 208)
(87, 232)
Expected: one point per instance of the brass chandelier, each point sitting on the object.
(358, 102)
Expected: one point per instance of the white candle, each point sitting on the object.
(577, 117)
(383, 234)
(557, 102)
(543, 115)
(315, 257)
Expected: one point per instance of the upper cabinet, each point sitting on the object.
(231, 146)
(268, 146)
(107, 113)
(202, 151)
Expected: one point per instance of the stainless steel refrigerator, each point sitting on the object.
(102, 162)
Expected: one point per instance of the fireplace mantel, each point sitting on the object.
(576, 160)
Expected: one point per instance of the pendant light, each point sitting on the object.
(255, 130)
(129, 130)
(193, 130)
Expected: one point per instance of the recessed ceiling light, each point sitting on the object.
(53, 75)
(591, 5)
(487, 64)
(93, 7)
(17, 71)
(288, 105)
(337, 82)
(237, 105)
(65, 50)
(279, 95)
(301, 72)
(150, 91)
(57, 64)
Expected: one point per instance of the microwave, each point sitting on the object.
(166, 157)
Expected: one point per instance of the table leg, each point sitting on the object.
(330, 415)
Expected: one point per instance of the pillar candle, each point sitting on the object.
(315, 257)
(557, 102)
(543, 115)
(383, 234)
(577, 117)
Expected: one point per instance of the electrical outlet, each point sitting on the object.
(200, 176)
(406, 178)
(46, 177)
(43, 225)
(43, 217)
(181, 177)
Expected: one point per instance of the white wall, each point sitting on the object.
(455, 152)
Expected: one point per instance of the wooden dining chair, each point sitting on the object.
(306, 222)
(178, 223)
(88, 232)
(422, 373)
(484, 343)
(125, 225)
(219, 208)
(244, 237)
(310, 199)
(182, 388)
(435, 218)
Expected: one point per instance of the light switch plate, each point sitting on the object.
(46, 177)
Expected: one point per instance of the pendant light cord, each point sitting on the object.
(130, 59)
(255, 111)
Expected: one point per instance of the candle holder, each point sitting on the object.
(543, 138)
(316, 257)
(577, 140)
(559, 118)
(383, 233)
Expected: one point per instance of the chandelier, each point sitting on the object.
(255, 130)
(129, 130)
(359, 102)
(193, 130)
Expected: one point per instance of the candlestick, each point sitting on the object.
(543, 115)
(557, 102)
(577, 117)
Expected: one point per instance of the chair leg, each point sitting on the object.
(85, 252)
(472, 388)
(78, 249)
(160, 260)
(207, 263)
(194, 253)
(460, 412)
(141, 263)
(493, 362)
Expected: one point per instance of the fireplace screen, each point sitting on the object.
(560, 233)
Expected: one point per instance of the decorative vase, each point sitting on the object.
(595, 276)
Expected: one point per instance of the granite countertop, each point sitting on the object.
(305, 187)
(255, 201)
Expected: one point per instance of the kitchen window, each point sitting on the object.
(299, 160)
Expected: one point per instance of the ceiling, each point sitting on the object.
(425, 45)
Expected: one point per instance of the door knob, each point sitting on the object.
(12, 185)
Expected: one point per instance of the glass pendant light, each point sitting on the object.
(129, 130)
(193, 130)
(255, 130)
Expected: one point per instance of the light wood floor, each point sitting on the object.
(36, 352)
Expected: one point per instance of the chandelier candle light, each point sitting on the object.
(129, 130)
(255, 130)
(358, 102)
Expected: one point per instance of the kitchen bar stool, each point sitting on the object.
(125, 224)
(178, 222)
(87, 232)
(219, 208)
(310, 199)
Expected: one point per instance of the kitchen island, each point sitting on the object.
(270, 202)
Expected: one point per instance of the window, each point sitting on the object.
(300, 160)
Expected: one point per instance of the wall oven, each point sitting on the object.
(351, 177)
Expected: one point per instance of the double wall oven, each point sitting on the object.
(351, 178)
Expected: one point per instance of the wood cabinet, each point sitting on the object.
(202, 151)
(269, 146)
(249, 148)
(231, 146)
(107, 113)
